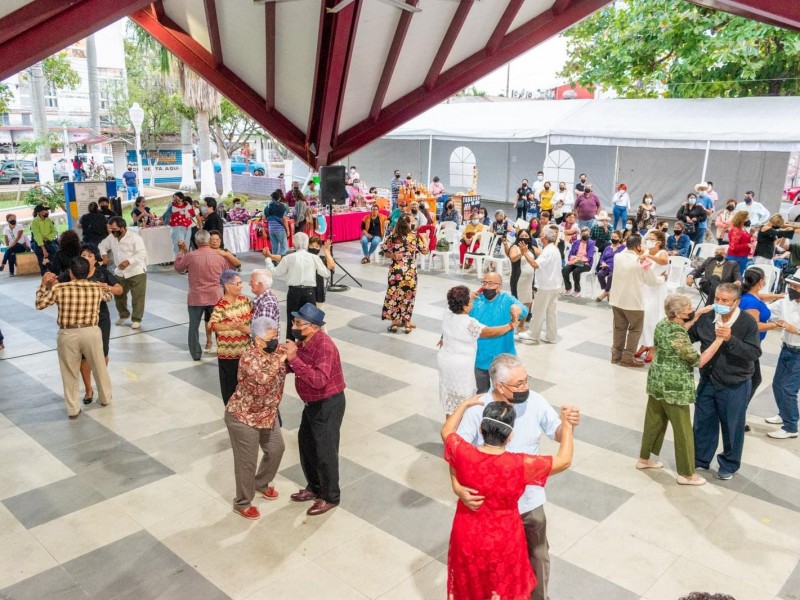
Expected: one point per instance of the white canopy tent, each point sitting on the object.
(662, 146)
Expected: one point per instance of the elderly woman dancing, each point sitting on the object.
(252, 417)
(670, 389)
(230, 320)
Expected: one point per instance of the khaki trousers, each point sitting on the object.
(70, 345)
(628, 326)
(245, 441)
(535, 524)
(544, 309)
(658, 415)
(137, 286)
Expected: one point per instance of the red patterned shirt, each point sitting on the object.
(182, 216)
(231, 344)
(260, 388)
(317, 368)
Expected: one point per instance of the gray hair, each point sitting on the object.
(501, 367)
(202, 238)
(226, 277)
(264, 277)
(551, 235)
(674, 304)
(497, 213)
(261, 326)
(300, 241)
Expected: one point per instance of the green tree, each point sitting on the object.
(59, 73)
(652, 48)
(232, 129)
(5, 97)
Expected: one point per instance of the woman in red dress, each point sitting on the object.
(488, 557)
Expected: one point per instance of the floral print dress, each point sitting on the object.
(399, 302)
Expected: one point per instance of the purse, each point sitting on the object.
(443, 245)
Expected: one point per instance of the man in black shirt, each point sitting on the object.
(104, 208)
(581, 185)
(725, 380)
(211, 220)
(522, 199)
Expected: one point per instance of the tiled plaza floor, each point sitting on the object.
(134, 500)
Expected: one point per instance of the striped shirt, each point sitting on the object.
(231, 344)
(266, 305)
(78, 301)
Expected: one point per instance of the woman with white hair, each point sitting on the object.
(300, 268)
(230, 320)
(252, 417)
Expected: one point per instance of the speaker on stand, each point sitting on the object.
(332, 191)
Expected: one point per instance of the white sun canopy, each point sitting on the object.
(741, 124)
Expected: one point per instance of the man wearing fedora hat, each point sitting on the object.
(314, 359)
(704, 199)
(786, 383)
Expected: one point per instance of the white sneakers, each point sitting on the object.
(776, 420)
(120, 322)
(781, 434)
(135, 324)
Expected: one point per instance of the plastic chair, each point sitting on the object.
(704, 250)
(431, 231)
(479, 250)
(589, 279)
(675, 274)
(451, 235)
(773, 275)
(500, 260)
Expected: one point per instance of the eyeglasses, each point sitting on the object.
(235, 283)
(518, 386)
(299, 324)
(489, 283)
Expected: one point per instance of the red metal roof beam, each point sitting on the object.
(502, 26)
(31, 15)
(269, 54)
(448, 42)
(213, 31)
(781, 13)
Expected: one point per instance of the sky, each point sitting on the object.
(532, 71)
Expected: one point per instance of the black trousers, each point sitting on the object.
(756, 381)
(318, 439)
(575, 270)
(296, 297)
(228, 377)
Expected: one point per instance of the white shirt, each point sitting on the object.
(629, 280)
(758, 212)
(419, 219)
(355, 175)
(11, 234)
(622, 199)
(534, 418)
(789, 311)
(300, 268)
(130, 247)
(548, 275)
(537, 186)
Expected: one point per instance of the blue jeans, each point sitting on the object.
(699, 236)
(133, 191)
(277, 239)
(742, 260)
(590, 223)
(715, 409)
(196, 314)
(368, 247)
(785, 386)
(77, 174)
(621, 215)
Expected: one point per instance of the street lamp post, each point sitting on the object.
(136, 114)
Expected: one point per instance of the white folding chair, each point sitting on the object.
(704, 250)
(772, 274)
(678, 265)
(451, 235)
(479, 250)
(497, 255)
(589, 279)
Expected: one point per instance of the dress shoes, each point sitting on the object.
(320, 507)
(631, 363)
(303, 496)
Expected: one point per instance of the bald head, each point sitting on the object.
(493, 278)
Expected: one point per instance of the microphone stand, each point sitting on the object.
(335, 286)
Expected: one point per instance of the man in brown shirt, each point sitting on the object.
(78, 303)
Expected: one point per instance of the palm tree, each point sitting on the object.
(205, 100)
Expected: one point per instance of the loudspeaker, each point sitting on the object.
(331, 185)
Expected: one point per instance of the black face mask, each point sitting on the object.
(489, 294)
(688, 317)
(719, 258)
(414, 211)
(519, 397)
(313, 250)
(747, 223)
(614, 241)
(794, 295)
(731, 206)
(585, 237)
(117, 233)
(271, 346)
(297, 334)
(449, 207)
(523, 240)
(678, 232)
(665, 229)
(12, 222)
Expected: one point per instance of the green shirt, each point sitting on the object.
(671, 376)
(598, 234)
(43, 228)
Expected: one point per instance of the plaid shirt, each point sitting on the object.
(266, 305)
(598, 234)
(78, 301)
(317, 368)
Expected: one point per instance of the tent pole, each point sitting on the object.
(546, 150)
(430, 155)
(705, 160)
(616, 171)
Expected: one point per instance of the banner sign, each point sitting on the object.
(168, 166)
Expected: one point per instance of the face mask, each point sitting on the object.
(547, 187)
(691, 201)
(794, 295)
(271, 346)
(678, 232)
(628, 226)
(534, 226)
(449, 207)
(117, 233)
(614, 241)
(648, 200)
(313, 250)
(523, 240)
(585, 236)
(44, 215)
(414, 211)
(722, 309)
(298, 334)
(519, 397)
(583, 179)
(719, 258)
(129, 170)
(204, 209)
(731, 207)
(539, 177)
(489, 294)
(665, 229)
(748, 200)
(474, 221)
(649, 244)
(562, 189)
(12, 222)
(588, 191)
(747, 223)
(688, 317)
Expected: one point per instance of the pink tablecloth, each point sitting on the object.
(346, 226)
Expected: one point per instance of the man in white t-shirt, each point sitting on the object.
(548, 286)
(538, 185)
(535, 417)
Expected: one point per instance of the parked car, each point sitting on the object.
(238, 164)
(793, 195)
(14, 172)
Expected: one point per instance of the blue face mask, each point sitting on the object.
(722, 309)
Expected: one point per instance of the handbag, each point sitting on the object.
(689, 228)
(442, 245)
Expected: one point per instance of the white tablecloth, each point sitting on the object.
(158, 243)
(237, 238)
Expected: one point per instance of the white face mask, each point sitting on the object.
(628, 226)
(649, 244)
(474, 221)
(539, 177)
(648, 200)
